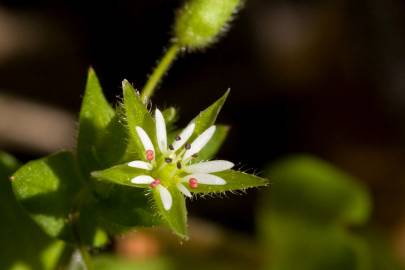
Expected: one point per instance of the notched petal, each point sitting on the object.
(142, 179)
(161, 134)
(139, 164)
(209, 166)
(205, 179)
(184, 190)
(184, 136)
(147, 143)
(200, 142)
(165, 196)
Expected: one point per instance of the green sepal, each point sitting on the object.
(207, 118)
(176, 216)
(136, 114)
(120, 174)
(235, 181)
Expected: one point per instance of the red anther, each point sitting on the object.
(155, 183)
(150, 155)
(193, 183)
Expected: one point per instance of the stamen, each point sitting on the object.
(193, 183)
(179, 165)
(150, 155)
(187, 146)
(168, 160)
(155, 183)
(195, 155)
(171, 147)
(177, 138)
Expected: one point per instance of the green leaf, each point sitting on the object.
(52, 190)
(136, 115)
(123, 208)
(102, 138)
(320, 191)
(207, 118)
(24, 245)
(123, 205)
(235, 180)
(176, 217)
(211, 149)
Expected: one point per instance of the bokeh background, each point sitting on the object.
(323, 78)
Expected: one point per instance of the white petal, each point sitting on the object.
(200, 142)
(209, 166)
(184, 136)
(184, 190)
(147, 143)
(205, 179)
(142, 179)
(140, 165)
(161, 131)
(165, 197)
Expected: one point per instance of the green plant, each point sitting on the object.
(123, 172)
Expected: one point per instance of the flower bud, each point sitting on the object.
(200, 22)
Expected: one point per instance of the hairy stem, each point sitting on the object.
(160, 70)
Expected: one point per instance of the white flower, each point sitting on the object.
(173, 167)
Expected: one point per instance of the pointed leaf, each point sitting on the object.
(137, 115)
(211, 149)
(101, 139)
(176, 216)
(207, 118)
(235, 180)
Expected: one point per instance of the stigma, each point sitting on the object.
(155, 183)
(150, 155)
(193, 183)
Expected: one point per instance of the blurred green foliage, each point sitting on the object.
(311, 217)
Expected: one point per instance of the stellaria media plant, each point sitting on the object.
(131, 168)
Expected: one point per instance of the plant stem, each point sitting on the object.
(159, 71)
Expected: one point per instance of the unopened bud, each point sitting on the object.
(200, 22)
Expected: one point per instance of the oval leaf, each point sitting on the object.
(46, 188)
